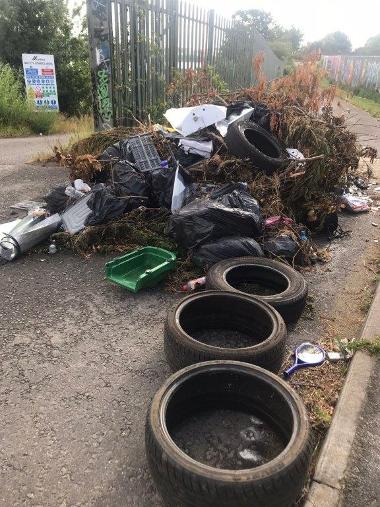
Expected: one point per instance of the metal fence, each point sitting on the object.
(138, 46)
(353, 71)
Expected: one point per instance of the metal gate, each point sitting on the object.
(137, 47)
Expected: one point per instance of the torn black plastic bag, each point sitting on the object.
(161, 183)
(128, 181)
(226, 248)
(236, 195)
(205, 220)
(282, 246)
(106, 206)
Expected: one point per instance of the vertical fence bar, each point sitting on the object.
(210, 36)
(136, 45)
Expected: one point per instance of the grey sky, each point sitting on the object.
(359, 20)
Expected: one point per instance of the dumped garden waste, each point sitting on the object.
(255, 172)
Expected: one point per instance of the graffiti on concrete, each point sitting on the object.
(101, 62)
(104, 100)
(353, 71)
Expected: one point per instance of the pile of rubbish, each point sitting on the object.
(236, 177)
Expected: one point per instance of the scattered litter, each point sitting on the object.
(334, 357)
(217, 216)
(377, 189)
(144, 152)
(180, 190)
(226, 248)
(355, 204)
(8, 226)
(27, 233)
(282, 245)
(75, 216)
(192, 285)
(140, 269)
(375, 224)
(52, 248)
(296, 154)
(202, 148)
(28, 205)
(80, 185)
(306, 354)
(278, 220)
(222, 126)
(73, 193)
(188, 120)
(361, 183)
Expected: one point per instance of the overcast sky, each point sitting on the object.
(358, 19)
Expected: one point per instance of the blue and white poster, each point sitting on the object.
(40, 80)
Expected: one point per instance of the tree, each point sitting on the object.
(283, 41)
(336, 43)
(371, 47)
(45, 26)
(260, 20)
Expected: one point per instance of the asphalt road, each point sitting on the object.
(80, 359)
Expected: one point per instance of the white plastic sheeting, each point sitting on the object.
(187, 120)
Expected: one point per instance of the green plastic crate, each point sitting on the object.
(141, 269)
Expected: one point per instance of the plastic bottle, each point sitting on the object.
(52, 248)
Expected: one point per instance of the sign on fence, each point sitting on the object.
(40, 80)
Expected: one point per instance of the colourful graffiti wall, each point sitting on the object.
(353, 71)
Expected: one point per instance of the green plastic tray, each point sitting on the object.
(140, 269)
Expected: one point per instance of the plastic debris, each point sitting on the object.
(307, 354)
(179, 191)
(52, 248)
(144, 152)
(355, 204)
(81, 186)
(192, 285)
(141, 269)
(281, 246)
(296, 154)
(220, 215)
(75, 216)
(28, 205)
(222, 126)
(202, 148)
(188, 120)
(27, 233)
(278, 220)
(226, 248)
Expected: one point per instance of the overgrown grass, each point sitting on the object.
(368, 100)
(18, 117)
(372, 347)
